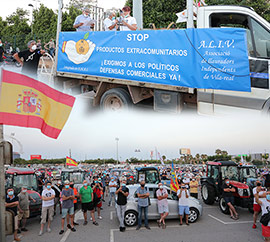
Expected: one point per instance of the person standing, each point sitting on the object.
(47, 197)
(112, 189)
(110, 23)
(183, 195)
(24, 201)
(162, 203)
(143, 204)
(81, 21)
(51, 48)
(67, 208)
(256, 206)
(57, 189)
(97, 191)
(194, 188)
(228, 189)
(75, 200)
(122, 194)
(12, 203)
(2, 51)
(128, 23)
(30, 59)
(264, 201)
(86, 198)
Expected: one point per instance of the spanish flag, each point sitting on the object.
(27, 102)
(174, 183)
(70, 162)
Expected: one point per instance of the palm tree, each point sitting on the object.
(218, 151)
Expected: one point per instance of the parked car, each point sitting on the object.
(131, 215)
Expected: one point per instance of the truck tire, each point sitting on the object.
(208, 194)
(223, 206)
(115, 99)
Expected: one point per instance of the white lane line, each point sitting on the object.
(226, 223)
(132, 229)
(66, 234)
(111, 215)
(219, 220)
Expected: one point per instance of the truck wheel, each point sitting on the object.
(208, 194)
(223, 206)
(131, 218)
(115, 99)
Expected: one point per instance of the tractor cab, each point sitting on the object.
(149, 174)
(75, 175)
(248, 174)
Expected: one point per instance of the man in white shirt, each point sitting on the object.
(183, 195)
(163, 207)
(128, 23)
(81, 21)
(110, 23)
(47, 196)
(256, 206)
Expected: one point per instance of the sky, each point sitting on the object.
(91, 134)
(8, 7)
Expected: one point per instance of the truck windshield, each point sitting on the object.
(76, 177)
(248, 172)
(29, 180)
(150, 176)
(230, 172)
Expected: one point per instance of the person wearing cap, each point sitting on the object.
(24, 201)
(12, 203)
(128, 23)
(110, 23)
(47, 197)
(79, 23)
(67, 208)
(29, 59)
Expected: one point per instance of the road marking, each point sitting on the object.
(132, 229)
(216, 218)
(66, 234)
(226, 223)
(111, 215)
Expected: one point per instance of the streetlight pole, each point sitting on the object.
(117, 140)
(32, 6)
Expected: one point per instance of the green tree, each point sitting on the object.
(161, 12)
(69, 18)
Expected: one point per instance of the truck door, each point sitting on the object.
(258, 44)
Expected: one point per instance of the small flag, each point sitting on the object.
(183, 16)
(174, 183)
(26, 102)
(71, 162)
(161, 159)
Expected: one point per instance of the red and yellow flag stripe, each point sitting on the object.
(71, 162)
(51, 107)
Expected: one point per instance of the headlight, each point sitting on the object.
(241, 192)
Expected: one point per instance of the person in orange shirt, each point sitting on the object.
(75, 201)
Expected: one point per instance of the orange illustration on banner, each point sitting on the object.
(27, 102)
(71, 162)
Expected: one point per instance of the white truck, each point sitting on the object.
(111, 93)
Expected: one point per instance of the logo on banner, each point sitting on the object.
(28, 102)
(80, 51)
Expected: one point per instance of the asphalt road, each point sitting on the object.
(212, 226)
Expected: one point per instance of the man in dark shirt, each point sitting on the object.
(11, 204)
(228, 189)
(122, 194)
(30, 59)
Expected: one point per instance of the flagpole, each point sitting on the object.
(2, 184)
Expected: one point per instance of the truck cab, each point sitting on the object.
(75, 175)
(258, 44)
(148, 174)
